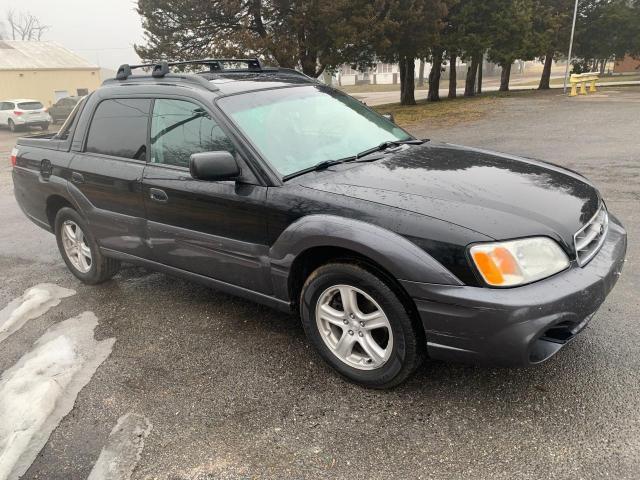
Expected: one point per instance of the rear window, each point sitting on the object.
(119, 128)
(30, 106)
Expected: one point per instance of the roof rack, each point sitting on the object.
(161, 69)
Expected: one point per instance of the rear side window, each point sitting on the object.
(6, 106)
(180, 128)
(30, 106)
(119, 128)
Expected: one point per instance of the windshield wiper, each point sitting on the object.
(386, 145)
(329, 163)
(318, 166)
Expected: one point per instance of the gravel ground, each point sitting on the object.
(233, 390)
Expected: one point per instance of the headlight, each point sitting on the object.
(516, 262)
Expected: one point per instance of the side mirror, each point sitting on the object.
(220, 165)
(389, 116)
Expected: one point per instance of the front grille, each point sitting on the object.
(590, 238)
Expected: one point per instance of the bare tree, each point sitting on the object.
(25, 26)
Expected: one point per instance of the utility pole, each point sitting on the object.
(573, 29)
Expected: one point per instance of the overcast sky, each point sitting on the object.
(102, 31)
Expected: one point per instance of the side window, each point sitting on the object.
(119, 128)
(180, 128)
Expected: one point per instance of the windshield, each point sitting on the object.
(297, 128)
(30, 106)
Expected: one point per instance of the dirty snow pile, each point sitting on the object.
(41, 388)
(34, 302)
(122, 452)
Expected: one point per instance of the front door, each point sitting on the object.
(106, 177)
(212, 228)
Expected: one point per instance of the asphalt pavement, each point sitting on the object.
(227, 389)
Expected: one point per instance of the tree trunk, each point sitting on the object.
(479, 88)
(505, 75)
(434, 75)
(421, 73)
(546, 72)
(453, 80)
(603, 64)
(407, 81)
(470, 83)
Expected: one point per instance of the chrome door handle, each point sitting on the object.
(158, 195)
(77, 177)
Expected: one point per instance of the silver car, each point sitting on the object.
(15, 114)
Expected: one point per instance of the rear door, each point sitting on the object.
(213, 228)
(106, 175)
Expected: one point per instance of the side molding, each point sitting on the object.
(400, 257)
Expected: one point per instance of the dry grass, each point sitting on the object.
(446, 112)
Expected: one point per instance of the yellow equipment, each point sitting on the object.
(581, 80)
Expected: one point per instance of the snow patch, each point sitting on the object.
(35, 301)
(121, 454)
(39, 390)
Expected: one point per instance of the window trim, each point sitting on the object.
(84, 151)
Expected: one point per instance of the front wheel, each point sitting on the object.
(79, 249)
(359, 325)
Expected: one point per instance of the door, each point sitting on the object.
(60, 94)
(213, 228)
(106, 177)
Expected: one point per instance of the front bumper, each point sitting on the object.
(523, 325)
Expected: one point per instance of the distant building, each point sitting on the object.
(380, 74)
(627, 65)
(44, 71)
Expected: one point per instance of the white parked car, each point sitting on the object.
(24, 112)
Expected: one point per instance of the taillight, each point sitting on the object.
(14, 157)
(17, 112)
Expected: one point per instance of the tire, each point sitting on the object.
(94, 269)
(44, 126)
(12, 126)
(400, 339)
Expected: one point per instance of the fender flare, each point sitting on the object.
(397, 255)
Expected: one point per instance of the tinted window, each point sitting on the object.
(30, 106)
(119, 128)
(180, 128)
(7, 106)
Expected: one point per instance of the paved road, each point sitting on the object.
(233, 390)
(382, 98)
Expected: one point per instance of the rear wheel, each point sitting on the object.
(359, 325)
(12, 126)
(44, 126)
(79, 249)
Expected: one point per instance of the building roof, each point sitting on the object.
(21, 55)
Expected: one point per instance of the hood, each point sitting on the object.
(500, 196)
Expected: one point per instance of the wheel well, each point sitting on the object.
(54, 204)
(309, 260)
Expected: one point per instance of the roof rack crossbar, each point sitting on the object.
(141, 79)
(161, 69)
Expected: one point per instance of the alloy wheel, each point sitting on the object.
(76, 246)
(354, 327)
